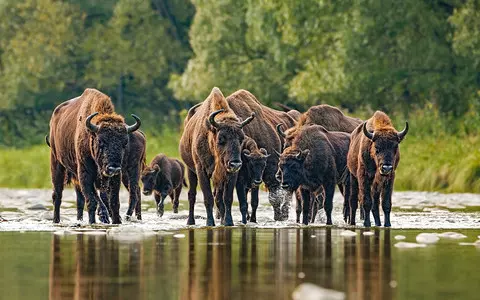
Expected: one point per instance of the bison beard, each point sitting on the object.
(164, 176)
(88, 142)
(372, 160)
(210, 146)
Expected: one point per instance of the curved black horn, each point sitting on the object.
(367, 133)
(276, 152)
(92, 127)
(403, 133)
(211, 118)
(248, 120)
(47, 140)
(279, 130)
(135, 126)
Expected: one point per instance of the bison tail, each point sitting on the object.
(185, 183)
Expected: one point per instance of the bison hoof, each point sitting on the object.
(388, 225)
(139, 217)
(117, 221)
(160, 210)
(56, 220)
(175, 210)
(210, 222)
(104, 219)
(367, 224)
(191, 221)
(253, 219)
(128, 218)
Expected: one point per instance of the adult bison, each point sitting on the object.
(372, 160)
(88, 142)
(262, 131)
(210, 146)
(315, 162)
(133, 164)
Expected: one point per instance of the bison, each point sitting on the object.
(315, 162)
(133, 164)
(211, 146)
(372, 160)
(88, 142)
(254, 161)
(164, 176)
(262, 131)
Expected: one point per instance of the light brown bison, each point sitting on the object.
(133, 164)
(164, 176)
(88, 141)
(315, 162)
(372, 159)
(262, 131)
(211, 146)
(254, 161)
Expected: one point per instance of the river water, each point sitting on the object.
(164, 259)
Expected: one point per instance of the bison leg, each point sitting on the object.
(114, 191)
(287, 200)
(204, 181)
(376, 205)
(228, 200)
(275, 195)
(242, 199)
(130, 181)
(353, 199)
(159, 201)
(387, 201)
(192, 195)
(80, 202)
(87, 184)
(298, 197)
(176, 201)
(219, 203)
(365, 197)
(58, 180)
(254, 203)
(328, 206)
(306, 204)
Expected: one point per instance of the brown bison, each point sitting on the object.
(211, 146)
(262, 131)
(372, 160)
(164, 176)
(254, 161)
(88, 141)
(315, 162)
(133, 164)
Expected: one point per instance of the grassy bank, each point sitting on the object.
(438, 154)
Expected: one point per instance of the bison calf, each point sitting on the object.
(164, 176)
(372, 160)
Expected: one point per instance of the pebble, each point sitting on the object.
(452, 235)
(37, 207)
(179, 236)
(310, 291)
(400, 237)
(369, 233)
(427, 238)
(348, 233)
(406, 245)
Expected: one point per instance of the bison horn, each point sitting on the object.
(247, 120)
(47, 140)
(279, 130)
(276, 152)
(135, 126)
(246, 152)
(92, 127)
(264, 152)
(403, 133)
(211, 118)
(367, 133)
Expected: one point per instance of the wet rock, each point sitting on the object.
(48, 215)
(37, 206)
(427, 238)
(348, 233)
(368, 233)
(400, 237)
(452, 235)
(179, 236)
(406, 245)
(310, 291)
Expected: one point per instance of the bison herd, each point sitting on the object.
(228, 143)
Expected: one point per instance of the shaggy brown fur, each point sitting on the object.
(372, 160)
(315, 162)
(210, 146)
(262, 130)
(88, 153)
(164, 176)
(250, 177)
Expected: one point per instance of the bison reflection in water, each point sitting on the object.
(88, 143)
(210, 146)
(164, 176)
(372, 160)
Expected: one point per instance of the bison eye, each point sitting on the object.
(377, 150)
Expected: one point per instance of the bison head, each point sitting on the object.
(227, 140)
(255, 163)
(384, 149)
(149, 179)
(290, 168)
(109, 140)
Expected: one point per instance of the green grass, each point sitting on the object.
(438, 154)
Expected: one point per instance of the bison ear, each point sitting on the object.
(156, 168)
(246, 152)
(264, 152)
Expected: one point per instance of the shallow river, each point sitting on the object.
(164, 259)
